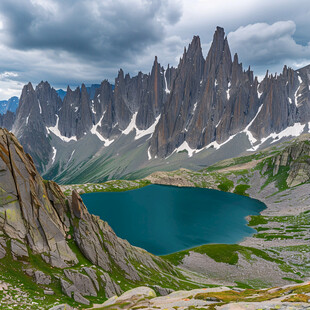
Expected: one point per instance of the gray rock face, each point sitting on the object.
(42, 278)
(2, 247)
(37, 109)
(93, 276)
(297, 158)
(210, 99)
(27, 214)
(36, 218)
(18, 249)
(163, 291)
(80, 299)
(111, 288)
(82, 283)
(7, 120)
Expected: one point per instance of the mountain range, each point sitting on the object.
(202, 111)
(9, 105)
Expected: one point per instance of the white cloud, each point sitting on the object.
(6, 75)
(75, 41)
(268, 46)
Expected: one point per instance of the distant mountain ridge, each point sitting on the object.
(199, 107)
(9, 105)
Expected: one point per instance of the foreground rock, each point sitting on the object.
(54, 241)
(221, 298)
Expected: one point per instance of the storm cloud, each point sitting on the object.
(76, 41)
(92, 29)
(266, 46)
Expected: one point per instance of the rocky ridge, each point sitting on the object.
(196, 107)
(52, 243)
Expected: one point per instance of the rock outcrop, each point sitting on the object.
(36, 220)
(295, 159)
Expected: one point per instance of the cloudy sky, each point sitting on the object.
(75, 41)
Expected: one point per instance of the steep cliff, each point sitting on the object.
(51, 242)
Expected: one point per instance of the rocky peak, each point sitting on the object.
(84, 117)
(49, 103)
(218, 53)
(194, 48)
(193, 55)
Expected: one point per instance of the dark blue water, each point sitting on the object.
(166, 219)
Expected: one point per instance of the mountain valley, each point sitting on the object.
(206, 123)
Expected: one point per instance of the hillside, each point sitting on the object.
(278, 176)
(52, 251)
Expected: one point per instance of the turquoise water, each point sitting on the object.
(166, 219)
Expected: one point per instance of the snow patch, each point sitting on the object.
(227, 91)
(216, 83)
(295, 95)
(185, 147)
(148, 131)
(290, 100)
(40, 106)
(76, 109)
(57, 133)
(27, 119)
(131, 126)
(93, 108)
(94, 131)
(149, 153)
(195, 107)
(71, 155)
(166, 85)
(218, 123)
(292, 131)
(259, 94)
(217, 145)
(246, 130)
(54, 154)
(140, 133)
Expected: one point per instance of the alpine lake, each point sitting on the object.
(166, 219)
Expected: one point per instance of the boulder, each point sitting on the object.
(81, 282)
(41, 278)
(80, 299)
(138, 293)
(18, 249)
(110, 287)
(62, 307)
(163, 291)
(92, 275)
(2, 247)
